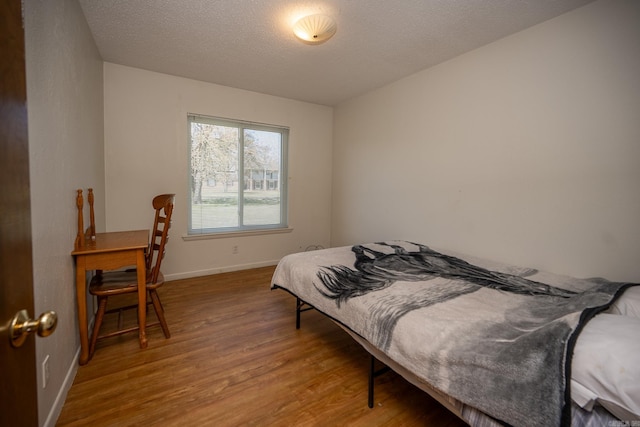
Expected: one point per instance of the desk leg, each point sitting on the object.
(142, 298)
(81, 296)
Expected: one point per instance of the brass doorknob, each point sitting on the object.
(21, 326)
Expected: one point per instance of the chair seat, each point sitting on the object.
(120, 282)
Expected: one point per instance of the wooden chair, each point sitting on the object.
(125, 282)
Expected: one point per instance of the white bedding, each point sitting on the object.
(628, 304)
(606, 361)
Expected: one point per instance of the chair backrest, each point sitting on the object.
(80, 236)
(163, 205)
(91, 230)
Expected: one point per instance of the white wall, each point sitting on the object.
(146, 153)
(65, 113)
(526, 150)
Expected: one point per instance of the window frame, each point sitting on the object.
(242, 228)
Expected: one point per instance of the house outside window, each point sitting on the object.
(238, 175)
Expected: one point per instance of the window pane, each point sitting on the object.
(238, 175)
(214, 174)
(261, 196)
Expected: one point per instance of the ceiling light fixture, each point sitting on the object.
(314, 29)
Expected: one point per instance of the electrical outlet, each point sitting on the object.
(45, 372)
(234, 249)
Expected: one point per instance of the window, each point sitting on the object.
(238, 175)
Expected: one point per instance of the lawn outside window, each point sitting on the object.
(238, 176)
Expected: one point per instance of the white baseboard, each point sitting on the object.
(218, 270)
(56, 408)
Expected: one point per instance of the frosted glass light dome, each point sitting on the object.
(314, 29)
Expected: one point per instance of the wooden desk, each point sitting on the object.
(110, 251)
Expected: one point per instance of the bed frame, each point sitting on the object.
(302, 306)
(377, 356)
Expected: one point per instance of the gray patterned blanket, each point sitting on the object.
(496, 337)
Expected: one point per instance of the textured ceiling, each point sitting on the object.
(248, 44)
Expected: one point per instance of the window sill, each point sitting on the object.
(188, 237)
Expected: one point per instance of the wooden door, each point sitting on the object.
(18, 382)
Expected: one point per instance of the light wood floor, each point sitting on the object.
(235, 358)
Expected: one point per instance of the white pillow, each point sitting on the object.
(628, 303)
(606, 365)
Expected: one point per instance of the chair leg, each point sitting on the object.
(157, 305)
(102, 307)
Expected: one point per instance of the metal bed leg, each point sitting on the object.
(299, 309)
(372, 366)
(372, 374)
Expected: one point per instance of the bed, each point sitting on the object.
(496, 344)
